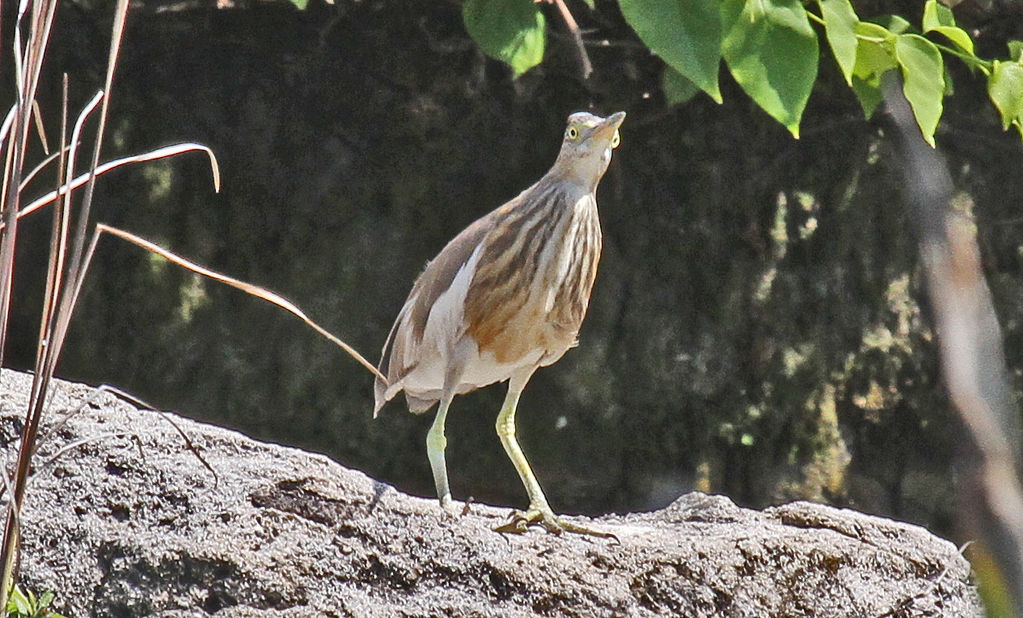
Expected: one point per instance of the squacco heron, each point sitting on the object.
(502, 299)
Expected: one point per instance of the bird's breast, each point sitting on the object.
(532, 285)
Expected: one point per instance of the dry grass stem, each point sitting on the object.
(160, 153)
(248, 288)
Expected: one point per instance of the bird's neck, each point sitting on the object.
(581, 171)
(574, 181)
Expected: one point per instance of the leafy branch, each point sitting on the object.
(772, 50)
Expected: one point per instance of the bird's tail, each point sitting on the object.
(379, 396)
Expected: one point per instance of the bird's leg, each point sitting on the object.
(506, 431)
(539, 511)
(436, 442)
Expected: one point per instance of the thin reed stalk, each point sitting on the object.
(69, 255)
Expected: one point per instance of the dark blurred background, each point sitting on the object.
(756, 329)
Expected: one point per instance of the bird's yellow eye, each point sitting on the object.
(617, 139)
(572, 133)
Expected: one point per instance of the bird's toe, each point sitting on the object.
(519, 521)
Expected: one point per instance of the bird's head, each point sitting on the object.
(586, 149)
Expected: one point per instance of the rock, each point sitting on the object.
(127, 521)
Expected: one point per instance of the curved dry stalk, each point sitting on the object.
(28, 61)
(8, 120)
(248, 288)
(28, 67)
(42, 165)
(167, 416)
(75, 271)
(40, 129)
(72, 446)
(159, 153)
(76, 135)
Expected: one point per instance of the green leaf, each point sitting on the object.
(45, 599)
(677, 87)
(875, 52)
(938, 18)
(869, 95)
(893, 23)
(875, 56)
(957, 35)
(590, 3)
(840, 27)
(686, 34)
(512, 31)
(772, 53)
(874, 33)
(923, 80)
(17, 602)
(1016, 50)
(936, 15)
(1005, 87)
(896, 24)
(300, 4)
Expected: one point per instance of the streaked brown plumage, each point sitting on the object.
(503, 298)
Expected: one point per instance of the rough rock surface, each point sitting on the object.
(129, 522)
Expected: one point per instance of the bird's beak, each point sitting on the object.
(607, 129)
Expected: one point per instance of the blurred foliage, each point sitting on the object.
(755, 328)
(25, 604)
(771, 50)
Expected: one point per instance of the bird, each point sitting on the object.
(505, 297)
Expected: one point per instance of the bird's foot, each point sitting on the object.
(518, 522)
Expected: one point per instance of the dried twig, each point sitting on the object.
(28, 63)
(577, 37)
(167, 416)
(159, 153)
(255, 290)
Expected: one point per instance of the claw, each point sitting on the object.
(518, 522)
